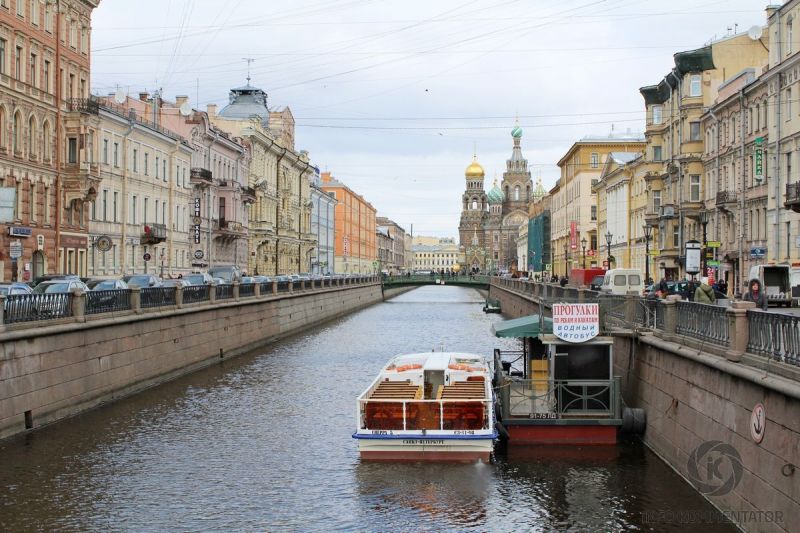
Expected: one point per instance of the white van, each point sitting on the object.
(622, 281)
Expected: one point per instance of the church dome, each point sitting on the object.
(496, 195)
(474, 170)
(516, 132)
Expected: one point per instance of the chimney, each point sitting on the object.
(771, 9)
(181, 99)
(211, 109)
(144, 96)
(326, 177)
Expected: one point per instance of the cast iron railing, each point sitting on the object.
(28, 307)
(247, 289)
(110, 301)
(775, 336)
(705, 322)
(157, 296)
(224, 291)
(283, 286)
(544, 398)
(195, 293)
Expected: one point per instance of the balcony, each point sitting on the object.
(154, 234)
(80, 181)
(726, 200)
(667, 211)
(248, 195)
(651, 216)
(792, 197)
(227, 229)
(89, 106)
(200, 176)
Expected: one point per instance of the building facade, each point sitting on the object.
(397, 265)
(489, 226)
(280, 236)
(356, 246)
(675, 143)
(48, 137)
(323, 227)
(142, 205)
(442, 256)
(574, 204)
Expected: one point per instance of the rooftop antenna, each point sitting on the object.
(249, 60)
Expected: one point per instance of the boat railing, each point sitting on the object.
(510, 361)
(545, 398)
(462, 415)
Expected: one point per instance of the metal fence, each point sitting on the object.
(108, 301)
(28, 307)
(266, 288)
(157, 297)
(535, 398)
(706, 322)
(283, 286)
(661, 310)
(775, 336)
(195, 293)
(612, 307)
(248, 289)
(224, 291)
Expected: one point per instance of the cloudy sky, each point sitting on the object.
(392, 96)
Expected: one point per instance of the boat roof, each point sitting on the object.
(435, 360)
(526, 326)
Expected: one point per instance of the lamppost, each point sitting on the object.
(704, 222)
(609, 237)
(648, 234)
(566, 259)
(583, 245)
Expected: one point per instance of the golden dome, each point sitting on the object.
(474, 170)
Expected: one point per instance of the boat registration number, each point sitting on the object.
(424, 442)
(382, 432)
(544, 415)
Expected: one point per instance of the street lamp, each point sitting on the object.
(583, 245)
(609, 237)
(566, 259)
(704, 222)
(648, 234)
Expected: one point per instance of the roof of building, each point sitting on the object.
(496, 195)
(621, 158)
(614, 137)
(474, 170)
(247, 102)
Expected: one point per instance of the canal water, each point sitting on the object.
(263, 443)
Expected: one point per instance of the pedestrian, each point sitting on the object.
(704, 294)
(756, 295)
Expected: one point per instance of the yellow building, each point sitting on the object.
(675, 140)
(574, 203)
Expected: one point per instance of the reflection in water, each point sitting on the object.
(263, 443)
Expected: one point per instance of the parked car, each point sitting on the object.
(228, 273)
(51, 277)
(54, 308)
(14, 288)
(142, 280)
(596, 283)
(220, 281)
(247, 280)
(106, 284)
(179, 282)
(262, 279)
(199, 278)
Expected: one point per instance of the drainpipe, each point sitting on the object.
(744, 189)
(680, 170)
(777, 151)
(277, 209)
(59, 135)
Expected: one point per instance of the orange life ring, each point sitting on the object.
(403, 368)
(466, 368)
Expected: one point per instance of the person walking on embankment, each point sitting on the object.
(756, 295)
(704, 294)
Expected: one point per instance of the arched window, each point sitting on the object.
(16, 133)
(474, 203)
(46, 141)
(2, 126)
(32, 136)
(516, 193)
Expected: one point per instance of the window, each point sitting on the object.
(516, 193)
(46, 77)
(146, 163)
(694, 131)
(675, 236)
(18, 63)
(789, 26)
(105, 206)
(135, 160)
(177, 175)
(595, 160)
(658, 112)
(474, 204)
(32, 79)
(105, 151)
(788, 103)
(157, 160)
(32, 200)
(133, 210)
(657, 156)
(114, 212)
(156, 219)
(72, 150)
(145, 215)
(694, 85)
(694, 188)
(20, 8)
(222, 211)
(656, 201)
(116, 155)
(164, 168)
(594, 212)
(34, 12)
(3, 44)
(789, 166)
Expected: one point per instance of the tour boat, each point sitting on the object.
(435, 406)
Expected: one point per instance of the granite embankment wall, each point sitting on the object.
(50, 372)
(692, 397)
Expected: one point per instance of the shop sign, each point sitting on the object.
(19, 231)
(576, 322)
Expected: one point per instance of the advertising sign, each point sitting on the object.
(758, 160)
(692, 257)
(576, 322)
(573, 235)
(197, 220)
(15, 249)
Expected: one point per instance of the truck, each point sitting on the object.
(582, 277)
(776, 283)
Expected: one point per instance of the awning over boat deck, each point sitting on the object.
(526, 326)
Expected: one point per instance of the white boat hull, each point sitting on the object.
(427, 449)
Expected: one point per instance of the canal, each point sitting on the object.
(263, 443)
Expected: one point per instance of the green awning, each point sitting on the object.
(526, 326)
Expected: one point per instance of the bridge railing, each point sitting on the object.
(738, 332)
(30, 310)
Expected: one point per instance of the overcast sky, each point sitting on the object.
(392, 95)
